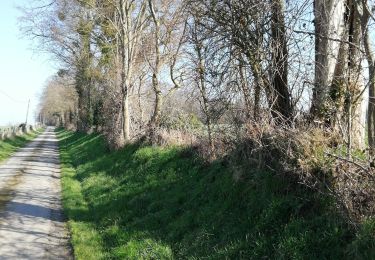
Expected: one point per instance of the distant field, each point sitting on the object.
(5, 127)
(9, 146)
(2, 128)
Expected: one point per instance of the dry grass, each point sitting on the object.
(168, 137)
(355, 189)
(313, 157)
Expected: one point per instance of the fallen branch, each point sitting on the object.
(349, 161)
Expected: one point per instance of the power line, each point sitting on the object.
(11, 98)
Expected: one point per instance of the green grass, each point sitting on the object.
(164, 203)
(11, 145)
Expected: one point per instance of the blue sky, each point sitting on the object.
(23, 72)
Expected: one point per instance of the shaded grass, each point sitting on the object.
(164, 203)
(11, 145)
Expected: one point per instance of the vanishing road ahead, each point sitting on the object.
(31, 222)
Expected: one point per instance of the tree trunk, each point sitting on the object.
(337, 89)
(126, 118)
(371, 109)
(279, 73)
(82, 113)
(371, 101)
(130, 26)
(245, 88)
(201, 84)
(205, 103)
(257, 101)
(356, 81)
(363, 12)
(154, 123)
(125, 79)
(329, 25)
(62, 119)
(126, 59)
(344, 106)
(83, 78)
(115, 134)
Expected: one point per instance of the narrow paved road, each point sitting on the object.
(31, 222)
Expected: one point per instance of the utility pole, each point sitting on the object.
(27, 112)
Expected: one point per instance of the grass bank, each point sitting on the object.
(164, 203)
(11, 145)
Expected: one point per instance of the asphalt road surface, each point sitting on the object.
(32, 225)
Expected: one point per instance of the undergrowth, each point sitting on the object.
(145, 202)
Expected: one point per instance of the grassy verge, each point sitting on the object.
(163, 203)
(11, 145)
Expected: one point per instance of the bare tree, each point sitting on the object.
(199, 61)
(240, 25)
(167, 30)
(58, 102)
